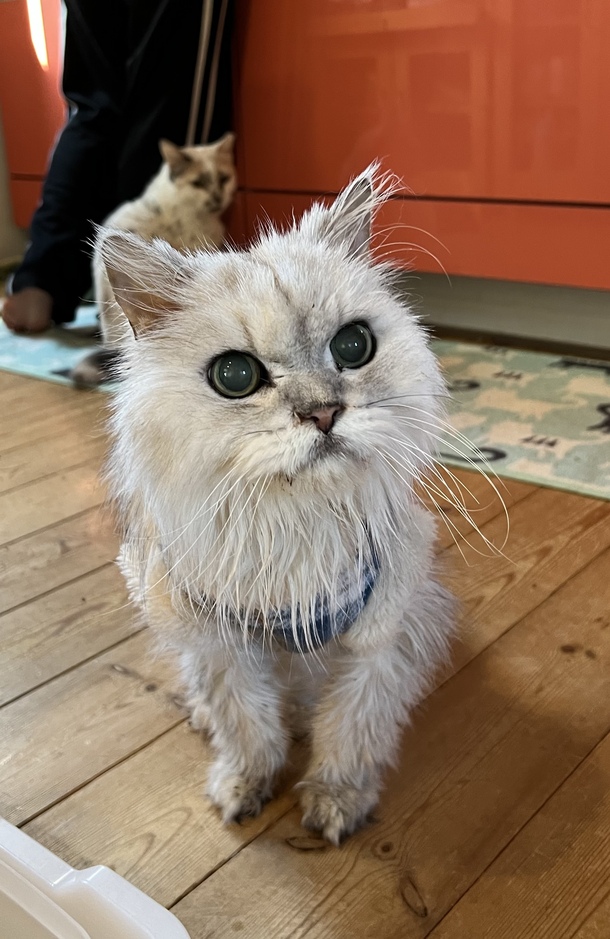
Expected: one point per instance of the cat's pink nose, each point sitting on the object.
(323, 418)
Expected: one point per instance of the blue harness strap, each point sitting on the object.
(327, 622)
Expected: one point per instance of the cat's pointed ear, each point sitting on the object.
(351, 215)
(175, 157)
(145, 277)
(225, 145)
(349, 219)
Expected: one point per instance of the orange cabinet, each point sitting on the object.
(495, 114)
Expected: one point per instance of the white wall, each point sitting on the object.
(12, 239)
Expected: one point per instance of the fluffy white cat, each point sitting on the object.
(277, 407)
(183, 204)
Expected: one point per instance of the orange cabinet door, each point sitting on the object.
(494, 113)
(485, 99)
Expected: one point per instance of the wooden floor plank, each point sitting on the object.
(553, 880)
(148, 819)
(49, 423)
(553, 535)
(597, 925)
(21, 394)
(63, 734)
(493, 744)
(53, 633)
(33, 461)
(50, 500)
(54, 556)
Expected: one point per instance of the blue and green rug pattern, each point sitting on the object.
(536, 417)
(540, 418)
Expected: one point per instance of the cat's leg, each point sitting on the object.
(232, 689)
(356, 730)
(235, 694)
(303, 677)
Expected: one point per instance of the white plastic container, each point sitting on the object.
(42, 897)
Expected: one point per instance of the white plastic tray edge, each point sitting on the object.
(75, 890)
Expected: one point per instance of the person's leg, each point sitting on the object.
(81, 185)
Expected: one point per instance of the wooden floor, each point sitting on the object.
(495, 824)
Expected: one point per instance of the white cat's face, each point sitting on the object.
(292, 360)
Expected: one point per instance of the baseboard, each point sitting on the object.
(558, 319)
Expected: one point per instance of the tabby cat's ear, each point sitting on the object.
(175, 157)
(145, 277)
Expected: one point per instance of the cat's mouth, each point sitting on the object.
(328, 445)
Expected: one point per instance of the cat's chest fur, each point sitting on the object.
(178, 216)
(300, 569)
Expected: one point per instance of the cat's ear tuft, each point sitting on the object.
(352, 213)
(145, 277)
(175, 157)
(349, 219)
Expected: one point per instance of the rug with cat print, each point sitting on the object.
(540, 418)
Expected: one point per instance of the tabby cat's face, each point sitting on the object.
(208, 171)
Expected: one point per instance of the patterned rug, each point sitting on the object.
(536, 417)
(540, 418)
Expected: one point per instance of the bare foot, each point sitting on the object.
(28, 311)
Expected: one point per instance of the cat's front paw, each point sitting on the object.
(236, 796)
(335, 811)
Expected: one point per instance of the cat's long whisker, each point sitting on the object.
(448, 522)
(382, 257)
(463, 456)
(494, 548)
(388, 229)
(389, 460)
(461, 509)
(233, 522)
(448, 495)
(231, 574)
(212, 510)
(432, 463)
(224, 614)
(200, 511)
(414, 394)
(179, 561)
(449, 429)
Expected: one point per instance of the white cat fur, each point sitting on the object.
(226, 499)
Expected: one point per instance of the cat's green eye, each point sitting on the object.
(353, 346)
(235, 375)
